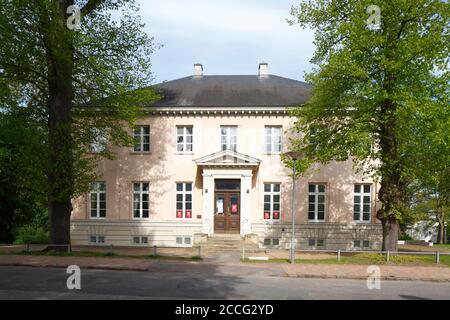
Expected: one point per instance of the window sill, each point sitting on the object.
(140, 152)
(184, 153)
(97, 218)
(272, 153)
(316, 221)
(362, 222)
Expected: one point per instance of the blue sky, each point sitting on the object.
(227, 37)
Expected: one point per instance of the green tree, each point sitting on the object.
(371, 72)
(428, 157)
(22, 170)
(81, 76)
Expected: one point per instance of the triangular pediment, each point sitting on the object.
(227, 157)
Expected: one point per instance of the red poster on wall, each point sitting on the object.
(234, 208)
(179, 214)
(266, 215)
(276, 215)
(188, 214)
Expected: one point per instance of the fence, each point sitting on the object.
(108, 249)
(339, 253)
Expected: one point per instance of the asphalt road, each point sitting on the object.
(50, 283)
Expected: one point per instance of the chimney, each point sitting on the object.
(263, 69)
(198, 70)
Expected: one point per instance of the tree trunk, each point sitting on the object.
(391, 186)
(390, 234)
(441, 232)
(60, 165)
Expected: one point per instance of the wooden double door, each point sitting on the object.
(227, 212)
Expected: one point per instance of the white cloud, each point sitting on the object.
(232, 37)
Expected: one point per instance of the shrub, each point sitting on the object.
(32, 234)
(405, 236)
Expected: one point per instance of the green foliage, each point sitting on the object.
(32, 234)
(380, 96)
(22, 170)
(349, 83)
(110, 58)
(405, 236)
(72, 84)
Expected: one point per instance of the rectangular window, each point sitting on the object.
(142, 139)
(183, 241)
(184, 200)
(97, 197)
(316, 202)
(318, 243)
(272, 192)
(140, 240)
(356, 243)
(362, 202)
(141, 200)
(97, 239)
(271, 241)
(184, 139)
(228, 138)
(272, 139)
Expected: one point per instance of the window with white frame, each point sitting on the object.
(272, 139)
(228, 138)
(141, 200)
(97, 239)
(140, 240)
(184, 200)
(99, 141)
(142, 139)
(272, 192)
(184, 138)
(97, 196)
(362, 202)
(316, 202)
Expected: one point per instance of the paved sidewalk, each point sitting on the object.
(271, 269)
(360, 272)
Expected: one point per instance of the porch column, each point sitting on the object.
(246, 189)
(208, 204)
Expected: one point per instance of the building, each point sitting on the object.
(207, 161)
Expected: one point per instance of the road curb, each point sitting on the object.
(350, 277)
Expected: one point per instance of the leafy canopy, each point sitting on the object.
(403, 60)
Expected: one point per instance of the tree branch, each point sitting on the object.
(90, 6)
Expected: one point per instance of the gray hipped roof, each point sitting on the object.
(233, 91)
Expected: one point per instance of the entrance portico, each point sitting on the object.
(223, 207)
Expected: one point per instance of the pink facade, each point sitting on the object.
(184, 181)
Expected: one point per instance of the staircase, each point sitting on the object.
(226, 242)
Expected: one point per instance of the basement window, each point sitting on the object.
(96, 239)
(356, 243)
(183, 241)
(271, 241)
(361, 244)
(316, 243)
(140, 240)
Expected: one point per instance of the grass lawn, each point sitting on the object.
(368, 259)
(442, 246)
(100, 255)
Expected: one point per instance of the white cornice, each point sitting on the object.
(220, 111)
